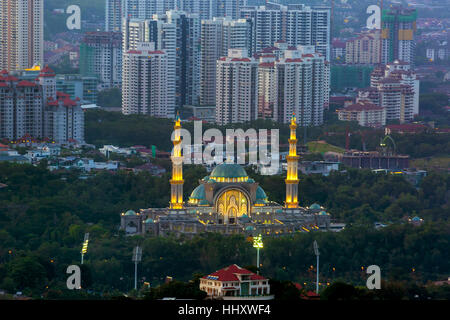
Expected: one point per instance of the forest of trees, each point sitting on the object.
(44, 215)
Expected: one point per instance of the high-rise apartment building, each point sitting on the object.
(364, 49)
(229, 8)
(101, 56)
(217, 37)
(398, 34)
(401, 72)
(113, 15)
(164, 37)
(267, 90)
(146, 88)
(394, 88)
(145, 9)
(297, 82)
(35, 109)
(236, 88)
(296, 24)
(187, 55)
(21, 34)
(206, 9)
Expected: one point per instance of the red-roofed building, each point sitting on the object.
(47, 72)
(366, 113)
(35, 110)
(235, 283)
(405, 128)
(26, 83)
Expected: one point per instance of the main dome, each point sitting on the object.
(228, 170)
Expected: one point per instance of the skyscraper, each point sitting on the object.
(296, 24)
(236, 88)
(206, 9)
(145, 9)
(398, 34)
(21, 33)
(230, 8)
(297, 82)
(113, 15)
(364, 49)
(217, 36)
(301, 86)
(145, 88)
(187, 64)
(101, 56)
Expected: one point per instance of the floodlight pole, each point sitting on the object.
(137, 257)
(135, 275)
(257, 244)
(84, 246)
(317, 276)
(257, 260)
(317, 253)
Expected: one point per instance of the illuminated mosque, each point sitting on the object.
(229, 202)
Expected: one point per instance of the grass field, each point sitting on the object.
(322, 147)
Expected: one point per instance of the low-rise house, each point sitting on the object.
(13, 156)
(153, 169)
(89, 165)
(43, 152)
(107, 149)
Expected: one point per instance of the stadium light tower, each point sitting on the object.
(137, 257)
(258, 244)
(84, 248)
(317, 253)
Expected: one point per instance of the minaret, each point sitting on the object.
(176, 199)
(292, 168)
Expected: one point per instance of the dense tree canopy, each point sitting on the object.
(44, 215)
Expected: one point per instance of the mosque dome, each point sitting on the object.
(130, 213)
(198, 193)
(149, 220)
(228, 170)
(323, 213)
(315, 206)
(260, 194)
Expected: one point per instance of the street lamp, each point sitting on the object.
(84, 248)
(137, 257)
(317, 253)
(258, 244)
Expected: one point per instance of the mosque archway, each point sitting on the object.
(231, 204)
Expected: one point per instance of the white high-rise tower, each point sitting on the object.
(21, 33)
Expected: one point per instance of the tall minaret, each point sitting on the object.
(176, 199)
(292, 168)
